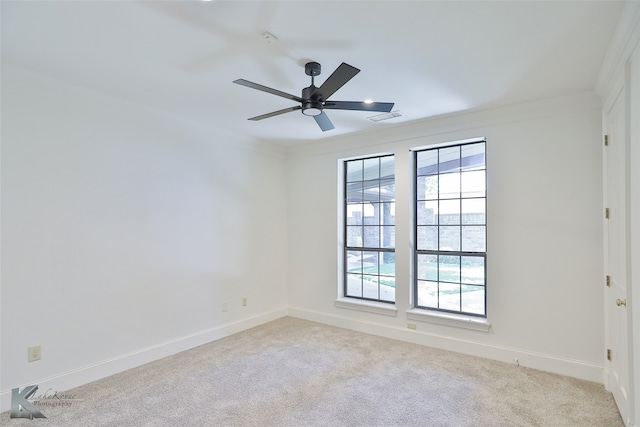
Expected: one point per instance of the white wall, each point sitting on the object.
(544, 233)
(124, 231)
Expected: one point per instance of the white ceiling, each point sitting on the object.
(429, 57)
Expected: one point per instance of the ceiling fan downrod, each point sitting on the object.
(311, 106)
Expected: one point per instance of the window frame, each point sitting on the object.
(439, 311)
(380, 250)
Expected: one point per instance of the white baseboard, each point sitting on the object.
(544, 362)
(86, 374)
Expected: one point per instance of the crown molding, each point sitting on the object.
(624, 40)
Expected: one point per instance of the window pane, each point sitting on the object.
(449, 268)
(473, 184)
(473, 238)
(427, 213)
(449, 295)
(367, 212)
(387, 276)
(371, 238)
(370, 262)
(473, 211)
(388, 213)
(473, 156)
(472, 268)
(387, 190)
(387, 167)
(354, 170)
(370, 287)
(427, 267)
(354, 192)
(473, 299)
(449, 186)
(449, 238)
(388, 293)
(388, 234)
(371, 191)
(387, 264)
(449, 213)
(354, 285)
(354, 262)
(371, 168)
(427, 294)
(427, 238)
(427, 187)
(372, 214)
(354, 236)
(354, 214)
(449, 160)
(427, 162)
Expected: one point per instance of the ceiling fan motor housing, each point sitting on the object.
(311, 105)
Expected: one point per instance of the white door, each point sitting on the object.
(616, 236)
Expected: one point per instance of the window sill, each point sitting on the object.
(368, 306)
(449, 319)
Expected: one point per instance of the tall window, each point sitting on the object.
(369, 207)
(450, 229)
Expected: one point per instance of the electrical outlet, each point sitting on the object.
(225, 306)
(411, 325)
(244, 302)
(34, 353)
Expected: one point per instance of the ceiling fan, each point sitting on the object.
(314, 100)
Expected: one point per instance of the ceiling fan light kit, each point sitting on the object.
(314, 100)
(311, 108)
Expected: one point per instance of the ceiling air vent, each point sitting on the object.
(385, 116)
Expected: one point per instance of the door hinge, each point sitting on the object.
(606, 140)
(608, 281)
(606, 213)
(608, 354)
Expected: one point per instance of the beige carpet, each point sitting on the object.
(292, 372)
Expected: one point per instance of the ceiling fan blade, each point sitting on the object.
(252, 85)
(276, 113)
(340, 76)
(323, 121)
(384, 107)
